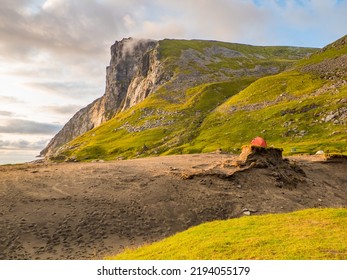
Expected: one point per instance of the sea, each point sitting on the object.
(15, 158)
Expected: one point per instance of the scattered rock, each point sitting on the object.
(247, 213)
(329, 117)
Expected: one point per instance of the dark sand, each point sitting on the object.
(90, 210)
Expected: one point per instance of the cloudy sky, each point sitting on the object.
(53, 53)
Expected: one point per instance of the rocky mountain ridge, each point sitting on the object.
(172, 69)
(133, 73)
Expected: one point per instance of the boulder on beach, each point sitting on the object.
(261, 156)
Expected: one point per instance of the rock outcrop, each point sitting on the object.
(139, 67)
(133, 73)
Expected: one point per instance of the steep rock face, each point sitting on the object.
(169, 67)
(133, 73)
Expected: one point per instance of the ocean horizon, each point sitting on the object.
(16, 157)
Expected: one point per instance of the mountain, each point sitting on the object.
(191, 96)
(302, 110)
(132, 74)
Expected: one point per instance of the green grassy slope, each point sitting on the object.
(303, 109)
(170, 120)
(296, 122)
(307, 234)
(155, 126)
(246, 56)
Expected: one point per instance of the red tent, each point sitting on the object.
(258, 141)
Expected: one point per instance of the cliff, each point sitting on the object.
(168, 89)
(133, 73)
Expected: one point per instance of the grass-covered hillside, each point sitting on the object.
(222, 95)
(316, 234)
(302, 110)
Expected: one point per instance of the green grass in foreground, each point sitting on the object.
(307, 234)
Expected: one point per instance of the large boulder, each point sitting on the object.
(261, 156)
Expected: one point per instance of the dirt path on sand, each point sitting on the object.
(89, 210)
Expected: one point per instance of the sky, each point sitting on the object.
(53, 53)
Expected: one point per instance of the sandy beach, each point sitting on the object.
(91, 210)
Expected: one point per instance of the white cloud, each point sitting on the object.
(73, 90)
(168, 29)
(307, 23)
(20, 126)
(21, 144)
(52, 4)
(129, 22)
(6, 113)
(9, 99)
(61, 109)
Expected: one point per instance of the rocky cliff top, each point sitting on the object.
(130, 77)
